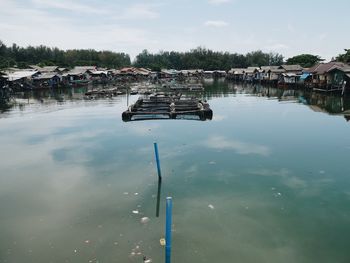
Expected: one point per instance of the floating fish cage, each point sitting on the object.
(168, 107)
(187, 87)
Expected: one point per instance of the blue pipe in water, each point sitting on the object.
(168, 223)
(157, 159)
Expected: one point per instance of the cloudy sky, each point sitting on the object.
(287, 27)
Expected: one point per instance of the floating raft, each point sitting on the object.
(188, 87)
(91, 94)
(168, 107)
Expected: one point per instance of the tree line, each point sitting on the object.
(202, 58)
(198, 58)
(46, 56)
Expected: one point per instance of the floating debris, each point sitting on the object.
(135, 211)
(212, 162)
(277, 194)
(145, 220)
(211, 206)
(162, 241)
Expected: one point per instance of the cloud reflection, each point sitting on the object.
(222, 143)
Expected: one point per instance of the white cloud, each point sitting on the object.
(221, 143)
(277, 47)
(218, 2)
(67, 32)
(290, 27)
(323, 36)
(139, 11)
(70, 6)
(216, 23)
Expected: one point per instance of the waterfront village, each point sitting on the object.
(331, 76)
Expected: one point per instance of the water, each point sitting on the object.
(265, 181)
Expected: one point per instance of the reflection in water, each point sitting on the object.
(321, 102)
(221, 143)
(158, 195)
(262, 183)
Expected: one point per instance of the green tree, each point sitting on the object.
(304, 60)
(257, 58)
(344, 57)
(46, 56)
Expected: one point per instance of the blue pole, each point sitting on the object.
(168, 223)
(157, 159)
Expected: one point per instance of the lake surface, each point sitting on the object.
(267, 180)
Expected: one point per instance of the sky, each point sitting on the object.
(238, 26)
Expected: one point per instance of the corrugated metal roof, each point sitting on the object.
(44, 69)
(292, 67)
(236, 70)
(20, 75)
(250, 70)
(345, 68)
(98, 72)
(45, 76)
(322, 68)
(75, 72)
(277, 70)
(267, 68)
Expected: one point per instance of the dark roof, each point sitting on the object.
(322, 68)
(267, 68)
(292, 67)
(277, 70)
(345, 68)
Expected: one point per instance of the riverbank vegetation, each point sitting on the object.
(198, 58)
(22, 57)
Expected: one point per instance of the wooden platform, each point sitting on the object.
(162, 106)
(188, 87)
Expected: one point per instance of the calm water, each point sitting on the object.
(267, 180)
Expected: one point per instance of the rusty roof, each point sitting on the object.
(322, 68)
